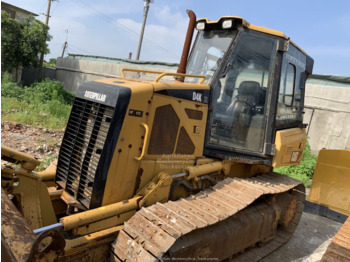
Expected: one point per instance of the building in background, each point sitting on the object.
(21, 15)
(16, 12)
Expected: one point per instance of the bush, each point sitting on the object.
(9, 88)
(48, 90)
(39, 92)
(45, 103)
(304, 171)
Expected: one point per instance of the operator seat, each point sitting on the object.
(242, 108)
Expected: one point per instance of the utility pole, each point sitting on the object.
(48, 12)
(47, 23)
(65, 45)
(145, 13)
(64, 48)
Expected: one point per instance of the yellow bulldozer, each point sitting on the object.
(177, 166)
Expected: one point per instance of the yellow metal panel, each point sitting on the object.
(123, 170)
(158, 86)
(17, 237)
(331, 182)
(246, 24)
(290, 145)
(127, 172)
(267, 31)
(152, 165)
(179, 106)
(33, 197)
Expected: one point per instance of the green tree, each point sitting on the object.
(22, 42)
(51, 63)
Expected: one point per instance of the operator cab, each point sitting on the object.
(257, 78)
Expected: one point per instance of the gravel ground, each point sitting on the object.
(36, 141)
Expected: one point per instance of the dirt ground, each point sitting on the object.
(42, 143)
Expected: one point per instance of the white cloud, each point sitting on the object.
(112, 7)
(164, 16)
(163, 41)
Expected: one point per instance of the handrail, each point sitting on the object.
(138, 71)
(144, 142)
(161, 74)
(180, 75)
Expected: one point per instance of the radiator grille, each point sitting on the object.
(81, 148)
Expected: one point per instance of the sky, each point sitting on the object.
(111, 28)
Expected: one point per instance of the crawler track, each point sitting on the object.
(236, 219)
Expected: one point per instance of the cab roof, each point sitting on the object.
(248, 25)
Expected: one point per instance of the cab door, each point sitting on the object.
(237, 122)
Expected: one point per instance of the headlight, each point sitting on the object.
(200, 26)
(226, 24)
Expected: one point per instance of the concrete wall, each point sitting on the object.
(73, 72)
(327, 111)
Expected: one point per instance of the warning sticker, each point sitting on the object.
(294, 157)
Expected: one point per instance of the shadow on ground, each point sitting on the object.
(309, 241)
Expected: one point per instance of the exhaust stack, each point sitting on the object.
(188, 41)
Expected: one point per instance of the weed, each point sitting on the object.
(10, 89)
(46, 103)
(45, 162)
(48, 90)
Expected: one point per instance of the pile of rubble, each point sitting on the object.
(36, 141)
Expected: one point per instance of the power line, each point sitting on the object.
(78, 48)
(115, 23)
(103, 16)
(42, 8)
(53, 11)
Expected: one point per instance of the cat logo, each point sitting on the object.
(95, 96)
(197, 97)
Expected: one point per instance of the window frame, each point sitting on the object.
(242, 154)
(285, 84)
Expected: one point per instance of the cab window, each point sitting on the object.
(287, 90)
(208, 51)
(240, 95)
(289, 107)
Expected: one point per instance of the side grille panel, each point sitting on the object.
(164, 131)
(81, 148)
(184, 144)
(194, 114)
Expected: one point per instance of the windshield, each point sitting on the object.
(208, 50)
